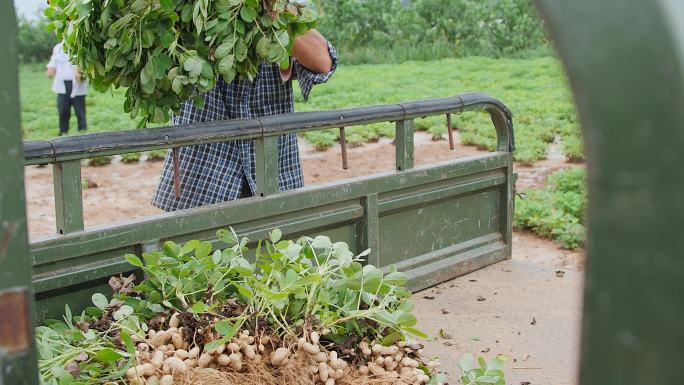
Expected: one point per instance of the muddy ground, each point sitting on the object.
(522, 308)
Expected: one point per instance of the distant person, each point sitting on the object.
(71, 89)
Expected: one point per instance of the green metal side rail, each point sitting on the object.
(434, 222)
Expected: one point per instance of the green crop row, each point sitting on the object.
(556, 211)
(534, 89)
(394, 31)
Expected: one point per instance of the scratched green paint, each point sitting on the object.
(68, 196)
(20, 367)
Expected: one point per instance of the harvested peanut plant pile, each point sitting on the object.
(304, 313)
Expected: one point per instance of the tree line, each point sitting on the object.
(376, 31)
(381, 31)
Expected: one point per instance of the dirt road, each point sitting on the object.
(524, 310)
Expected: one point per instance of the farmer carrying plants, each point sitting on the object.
(200, 61)
(220, 172)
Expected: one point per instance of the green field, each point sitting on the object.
(534, 89)
(557, 210)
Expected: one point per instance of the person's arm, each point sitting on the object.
(311, 51)
(52, 66)
(315, 62)
(78, 75)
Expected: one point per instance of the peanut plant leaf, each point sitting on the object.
(108, 355)
(189, 247)
(203, 250)
(100, 301)
(225, 329)
(134, 260)
(248, 14)
(276, 235)
(415, 332)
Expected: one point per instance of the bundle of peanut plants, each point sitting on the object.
(170, 51)
(306, 312)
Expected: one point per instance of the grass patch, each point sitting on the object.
(573, 147)
(557, 211)
(534, 89)
(133, 157)
(100, 161)
(157, 155)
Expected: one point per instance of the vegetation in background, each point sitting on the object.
(151, 156)
(573, 147)
(385, 31)
(157, 155)
(556, 211)
(35, 42)
(87, 183)
(534, 89)
(132, 157)
(100, 161)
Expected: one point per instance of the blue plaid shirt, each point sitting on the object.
(214, 173)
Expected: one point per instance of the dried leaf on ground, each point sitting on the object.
(444, 334)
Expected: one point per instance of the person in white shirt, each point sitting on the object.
(71, 89)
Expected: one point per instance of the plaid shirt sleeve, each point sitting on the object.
(308, 79)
